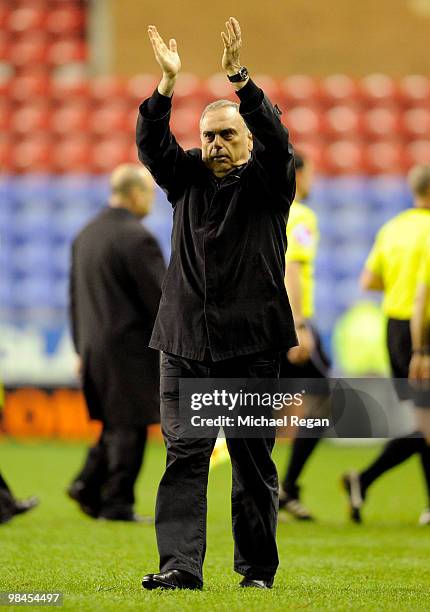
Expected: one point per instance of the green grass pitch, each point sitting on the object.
(330, 565)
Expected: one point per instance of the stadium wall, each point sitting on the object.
(300, 36)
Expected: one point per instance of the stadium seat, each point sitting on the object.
(416, 123)
(108, 153)
(109, 119)
(415, 90)
(140, 87)
(65, 21)
(29, 86)
(33, 256)
(379, 89)
(217, 86)
(386, 157)
(301, 89)
(69, 86)
(73, 153)
(340, 89)
(33, 154)
(188, 88)
(108, 89)
(270, 86)
(304, 122)
(185, 122)
(25, 19)
(5, 114)
(418, 152)
(345, 157)
(70, 119)
(389, 193)
(31, 118)
(343, 121)
(32, 50)
(5, 11)
(382, 123)
(67, 51)
(313, 148)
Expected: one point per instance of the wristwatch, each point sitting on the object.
(240, 76)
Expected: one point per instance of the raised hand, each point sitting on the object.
(166, 56)
(232, 43)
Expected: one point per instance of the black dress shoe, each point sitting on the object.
(77, 492)
(173, 579)
(256, 584)
(24, 505)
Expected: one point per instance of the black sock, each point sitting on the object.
(425, 462)
(300, 453)
(395, 451)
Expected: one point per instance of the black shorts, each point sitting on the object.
(399, 344)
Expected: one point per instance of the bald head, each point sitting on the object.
(132, 187)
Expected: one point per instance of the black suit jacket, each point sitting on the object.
(224, 289)
(115, 287)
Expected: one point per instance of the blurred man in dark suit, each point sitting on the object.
(115, 288)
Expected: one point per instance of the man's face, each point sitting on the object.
(226, 141)
(304, 178)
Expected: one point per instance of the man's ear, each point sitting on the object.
(250, 142)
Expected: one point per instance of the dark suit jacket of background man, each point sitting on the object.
(115, 288)
(224, 289)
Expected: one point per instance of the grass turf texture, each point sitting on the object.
(329, 565)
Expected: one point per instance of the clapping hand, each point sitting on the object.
(168, 59)
(232, 44)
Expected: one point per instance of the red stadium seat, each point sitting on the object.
(109, 153)
(67, 51)
(5, 115)
(140, 87)
(345, 157)
(379, 89)
(71, 118)
(31, 118)
(29, 86)
(5, 11)
(218, 87)
(415, 90)
(313, 150)
(340, 89)
(188, 87)
(107, 88)
(6, 147)
(416, 122)
(418, 152)
(343, 122)
(65, 21)
(301, 89)
(5, 81)
(5, 44)
(33, 154)
(69, 86)
(304, 122)
(25, 19)
(109, 119)
(185, 122)
(382, 122)
(73, 154)
(386, 158)
(31, 50)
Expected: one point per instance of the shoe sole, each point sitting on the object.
(355, 500)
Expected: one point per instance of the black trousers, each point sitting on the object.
(110, 471)
(180, 518)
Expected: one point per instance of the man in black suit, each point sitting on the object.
(224, 311)
(115, 288)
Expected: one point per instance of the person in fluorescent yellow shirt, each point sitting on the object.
(307, 360)
(392, 267)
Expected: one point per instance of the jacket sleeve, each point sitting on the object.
(157, 147)
(145, 268)
(273, 151)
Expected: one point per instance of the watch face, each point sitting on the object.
(243, 72)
